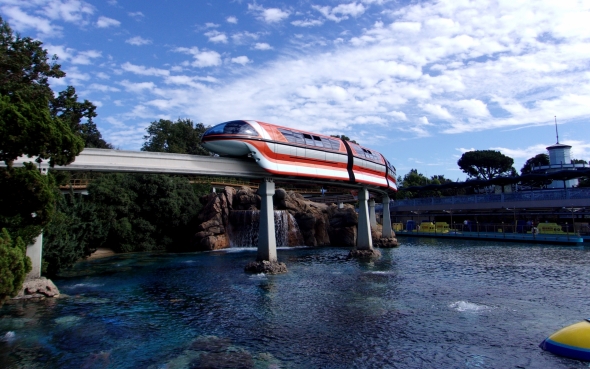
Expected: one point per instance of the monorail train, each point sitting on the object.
(291, 152)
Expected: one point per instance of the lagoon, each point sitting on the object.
(428, 304)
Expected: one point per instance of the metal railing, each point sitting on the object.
(536, 195)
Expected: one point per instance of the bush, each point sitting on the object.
(14, 265)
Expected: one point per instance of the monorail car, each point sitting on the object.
(292, 152)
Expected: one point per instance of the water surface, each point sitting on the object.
(427, 304)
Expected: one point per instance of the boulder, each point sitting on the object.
(364, 254)
(39, 287)
(266, 267)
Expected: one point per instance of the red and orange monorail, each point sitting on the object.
(291, 152)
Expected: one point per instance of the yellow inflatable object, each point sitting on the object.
(572, 341)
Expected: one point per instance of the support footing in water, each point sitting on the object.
(266, 267)
(364, 254)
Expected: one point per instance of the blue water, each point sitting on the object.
(427, 304)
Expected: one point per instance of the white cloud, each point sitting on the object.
(243, 60)
(202, 58)
(138, 41)
(262, 46)
(216, 37)
(85, 57)
(231, 19)
(437, 111)
(269, 15)
(103, 88)
(136, 15)
(141, 70)
(340, 12)
(307, 23)
(22, 21)
(105, 22)
(211, 25)
(473, 108)
(243, 37)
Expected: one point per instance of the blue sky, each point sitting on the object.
(420, 81)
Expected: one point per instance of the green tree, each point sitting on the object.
(144, 212)
(535, 161)
(14, 265)
(73, 233)
(182, 137)
(27, 126)
(68, 109)
(345, 138)
(486, 164)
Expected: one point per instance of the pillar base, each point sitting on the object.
(386, 242)
(364, 254)
(266, 267)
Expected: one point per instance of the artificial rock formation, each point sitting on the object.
(38, 288)
(380, 241)
(318, 224)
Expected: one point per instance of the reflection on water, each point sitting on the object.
(442, 304)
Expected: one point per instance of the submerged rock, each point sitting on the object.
(266, 267)
(364, 254)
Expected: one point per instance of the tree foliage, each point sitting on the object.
(73, 233)
(415, 179)
(181, 137)
(26, 201)
(144, 212)
(345, 138)
(14, 265)
(486, 164)
(535, 161)
(27, 126)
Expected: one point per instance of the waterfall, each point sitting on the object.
(244, 225)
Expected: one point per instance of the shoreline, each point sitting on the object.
(100, 253)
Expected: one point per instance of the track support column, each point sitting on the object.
(267, 243)
(386, 218)
(372, 216)
(364, 241)
(34, 252)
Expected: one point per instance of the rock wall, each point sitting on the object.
(319, 224)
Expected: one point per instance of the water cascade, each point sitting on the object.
(244, 225)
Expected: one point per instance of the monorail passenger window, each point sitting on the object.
(235, 127)
(308, 139)
(291, 136)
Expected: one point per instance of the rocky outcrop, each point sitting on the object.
(364, 254)
(343, 225)
(316, 224)
(38, 288)
(380, 241)
(266, 267)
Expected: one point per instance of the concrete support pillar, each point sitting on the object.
(267, 243)
(34, 252)
(364, 241)
(386, 218)
(372, 216)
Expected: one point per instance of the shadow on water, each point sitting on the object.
(436, 303)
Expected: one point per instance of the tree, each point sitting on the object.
(73, 233)
(182, 137)
(27, 126)
(485, 164)
(67, 108)
(145, 212)
(14, 265)
(345, 138)
(535, 161)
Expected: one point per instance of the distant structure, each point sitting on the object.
(559, 159)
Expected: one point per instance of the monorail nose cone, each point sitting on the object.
(572, 341)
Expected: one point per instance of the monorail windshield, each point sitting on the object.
(235, 127)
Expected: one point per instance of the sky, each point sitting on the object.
(422, 82)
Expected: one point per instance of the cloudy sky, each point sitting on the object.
(420, 81)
